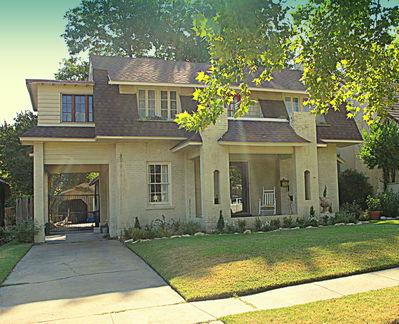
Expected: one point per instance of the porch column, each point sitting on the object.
(304, 125)
(103, 191)
(39, 212)
(114, 193)
(214, 157)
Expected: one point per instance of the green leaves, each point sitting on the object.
(247, 41)
(15, 162)
(381, 148)
(349, 50)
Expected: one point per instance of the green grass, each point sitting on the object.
(213, 266)
(388, 221)
(378, 306)
(10, 254)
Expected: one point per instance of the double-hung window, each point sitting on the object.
(77, 108)
(157, 104)
(291, 104)
(233, 106)
(159, 182)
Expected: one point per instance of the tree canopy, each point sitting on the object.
(381, 149)
(15, 163)
(73, 69)
(349, 51)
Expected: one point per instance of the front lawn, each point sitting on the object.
(10, 254)
(379, 306)
(204, 267)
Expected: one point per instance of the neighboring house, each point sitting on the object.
(120, 124)
(351, 160)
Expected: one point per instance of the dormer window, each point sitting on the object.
(291, 104)
(77, 108)
(253, 110)
(157, 104)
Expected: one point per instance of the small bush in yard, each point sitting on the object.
(241, 225)
(275, 223)
(354, 187)
(300, 222)
(231, 228)
(352, 209)
(220, 224)
(21, 233)
(266, 227)
(287, 222)
(312, 221)
(258, 224)
(389, 203)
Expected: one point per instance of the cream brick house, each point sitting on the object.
(119, 123)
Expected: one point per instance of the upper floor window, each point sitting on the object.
(291, 104)
(77, 108)
(233, 105)
(253, 110)
(157, 104)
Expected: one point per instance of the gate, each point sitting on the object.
(75, 213)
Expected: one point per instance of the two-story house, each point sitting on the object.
(273, 162)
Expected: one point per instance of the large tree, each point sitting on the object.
(132, 28)
(248, 41)
(15, 163)
(73, 69)
(349, 51)
(381, 149)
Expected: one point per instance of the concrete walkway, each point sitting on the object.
(99, 281)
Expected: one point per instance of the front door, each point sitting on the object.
(239, 189)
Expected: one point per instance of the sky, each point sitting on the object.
(30, 48)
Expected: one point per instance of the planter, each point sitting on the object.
(374, 214)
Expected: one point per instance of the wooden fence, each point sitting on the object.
(24, 209)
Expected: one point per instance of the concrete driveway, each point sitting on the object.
(77, 281)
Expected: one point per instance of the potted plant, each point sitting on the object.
(374, 207)
(325, 202)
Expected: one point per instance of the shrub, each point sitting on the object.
(389, 203)
(21, 233)
(266, 227)
(312, 221)
(137, 223)
(241, 225)
(300, 222)
(258, 224)
(231, 228)
(287, 222)
(188, 228)
(220, 224)
(352, 209)
(275, 224)
(373, 204)
(354, 187)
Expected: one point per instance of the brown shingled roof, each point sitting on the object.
(261, 132)
(151, 70)
(60, 132)
(338, 127)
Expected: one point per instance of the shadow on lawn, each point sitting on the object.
(235, 266)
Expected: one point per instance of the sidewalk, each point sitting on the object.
(210, 311)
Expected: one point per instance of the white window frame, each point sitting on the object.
(169, 184)
(159, 111)
(289, 102)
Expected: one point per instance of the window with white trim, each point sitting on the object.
(253, 110)
(159, 182)
(157, 104)
(291, 104)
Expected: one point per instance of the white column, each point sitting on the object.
(39, 213)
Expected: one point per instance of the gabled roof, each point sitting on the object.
(154, 71)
